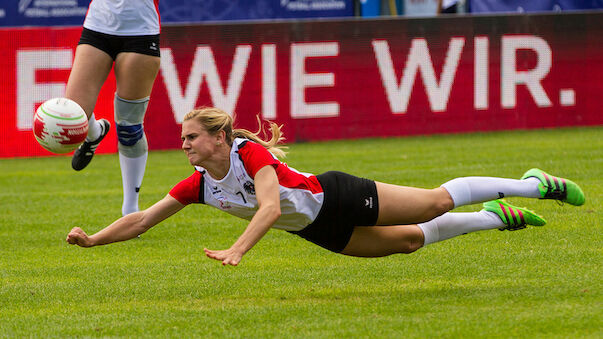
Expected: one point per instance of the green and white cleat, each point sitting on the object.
(515, 218)
(552, 187)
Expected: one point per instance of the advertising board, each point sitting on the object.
(337, 79)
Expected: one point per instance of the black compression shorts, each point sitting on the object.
(115, 44)
(349, 201)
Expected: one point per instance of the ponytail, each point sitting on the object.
(270, 145)
(214, 120)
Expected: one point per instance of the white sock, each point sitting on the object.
(94, 128)
(449, 225)
(471, 190)
(132, 172)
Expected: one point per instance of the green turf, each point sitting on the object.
(534, 283)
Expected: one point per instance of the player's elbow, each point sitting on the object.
(275, 212)
(141, 222)
(272, 211)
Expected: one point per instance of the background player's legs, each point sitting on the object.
(91, 67)
(135, 74)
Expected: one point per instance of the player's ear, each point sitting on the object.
(221, 137)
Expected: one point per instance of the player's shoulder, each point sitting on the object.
(189, 190)
(241, 143)
(246, 146)
(196, 177)
(253, 156)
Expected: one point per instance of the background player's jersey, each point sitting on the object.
(123, 17)
(301, 193)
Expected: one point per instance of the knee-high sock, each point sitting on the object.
(450, 225)
(133, 147)
(132, 172)
(471, 190)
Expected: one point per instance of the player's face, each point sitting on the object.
(197, 143)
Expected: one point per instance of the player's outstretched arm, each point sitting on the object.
(269, 210)
(127, 227)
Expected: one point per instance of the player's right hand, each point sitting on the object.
(77, 236)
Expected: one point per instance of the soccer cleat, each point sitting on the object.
(561, 189)
(83, 155)
(514, 218)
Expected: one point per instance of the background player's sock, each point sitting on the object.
(94, 129)
(132, 172)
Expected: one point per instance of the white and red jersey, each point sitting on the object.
(123, 17)
(301, 193)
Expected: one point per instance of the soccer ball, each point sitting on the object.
(60, 125)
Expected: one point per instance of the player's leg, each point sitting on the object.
(135, 74)
(471, 190)
(496, 214)
(377, 241)
(534, 183)
(91, 66)
(407, 205)
(90, 69)
(401, 205)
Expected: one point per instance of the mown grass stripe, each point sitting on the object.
(541, 282)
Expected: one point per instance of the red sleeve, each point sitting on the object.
(255, 156)
(189, 190)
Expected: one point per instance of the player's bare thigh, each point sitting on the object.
(135, 74)
(378, 241)
(401, 205)
(91, 67)
(402, 208)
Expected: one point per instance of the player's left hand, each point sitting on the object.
(77, 236)
(228, 257)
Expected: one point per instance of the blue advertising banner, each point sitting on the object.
(18, 13)
(487, 6)
(42, 12)
(218, 10)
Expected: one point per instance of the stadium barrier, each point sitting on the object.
(337, 79)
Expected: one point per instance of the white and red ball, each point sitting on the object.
(60, 125)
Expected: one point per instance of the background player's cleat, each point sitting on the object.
(515, 218)
(552, 187)
(83, 155)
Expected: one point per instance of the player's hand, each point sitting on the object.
(77, 236)
(228, 257)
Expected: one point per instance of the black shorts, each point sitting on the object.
(115, 44)
(349, 201)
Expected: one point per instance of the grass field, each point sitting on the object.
(535, 283)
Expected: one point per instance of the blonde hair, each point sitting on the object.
(214, 120)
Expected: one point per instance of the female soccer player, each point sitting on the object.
(123, 34)
(239, 173)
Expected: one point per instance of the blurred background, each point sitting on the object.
(328, 69)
